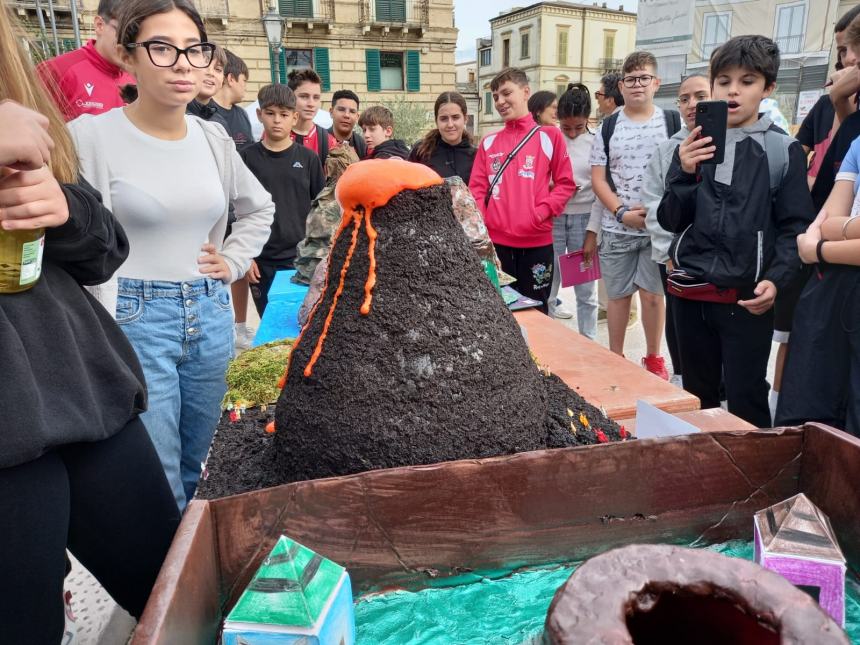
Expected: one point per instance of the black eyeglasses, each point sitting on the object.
(165, 55)
(644, 80)
(599, 95)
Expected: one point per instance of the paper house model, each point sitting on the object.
(795, 539)
(296, 596)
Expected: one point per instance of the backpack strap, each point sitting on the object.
(673, 122)
(360, 145)
(513, 153)
(607, 130)
(776, 149)
(322, 143)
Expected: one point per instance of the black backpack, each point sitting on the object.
(673, 124)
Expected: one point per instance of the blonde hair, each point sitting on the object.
(17, 84)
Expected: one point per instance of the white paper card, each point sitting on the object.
(652, 422)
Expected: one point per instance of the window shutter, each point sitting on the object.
(391, 10)
(488, 103)
(282, 67)
(322, 67)
(296, 8)
(413, 71)
(374, 72)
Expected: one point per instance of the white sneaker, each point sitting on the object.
(559, 311)
(71, 629)
(244, 336)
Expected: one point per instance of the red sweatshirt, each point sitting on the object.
(522, 206)
(82, 82)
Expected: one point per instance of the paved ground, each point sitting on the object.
(101, 622)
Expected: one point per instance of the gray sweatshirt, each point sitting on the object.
(652, 192)
(253, 206)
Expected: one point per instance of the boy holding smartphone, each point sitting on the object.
(736, 230)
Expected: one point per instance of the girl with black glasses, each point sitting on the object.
(169, 179)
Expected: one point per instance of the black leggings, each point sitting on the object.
(108, 502)
(532, 267)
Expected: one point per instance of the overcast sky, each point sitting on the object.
(473, 17)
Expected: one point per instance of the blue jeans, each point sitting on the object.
(568, 235)
(182, 333)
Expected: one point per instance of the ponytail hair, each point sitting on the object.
(576, 101)
(425, 148)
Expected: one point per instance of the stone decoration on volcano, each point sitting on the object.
(795, 539)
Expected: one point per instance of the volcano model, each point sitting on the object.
(410, 356)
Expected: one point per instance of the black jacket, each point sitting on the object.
(392, 148)
(206, 112)
(736, 234)
(448, 160)
(69, 374)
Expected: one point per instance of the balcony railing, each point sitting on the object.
(611, 64)
(310, 11)
(213, 8)
(790, 44)
(396, 13)
(59, 5)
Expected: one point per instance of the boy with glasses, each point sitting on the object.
(621, 150)
(609, 99)
(344, 113)
(88, 80)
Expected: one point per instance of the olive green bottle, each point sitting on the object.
(20, 259)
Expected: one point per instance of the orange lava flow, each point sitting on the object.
(371, 184)
(309, 368)
(371, 271)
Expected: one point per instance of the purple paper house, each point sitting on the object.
(795, 539)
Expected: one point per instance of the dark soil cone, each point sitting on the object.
(435, 370)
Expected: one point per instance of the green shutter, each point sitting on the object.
(296, 8)
(322, 67)
(374, 72)
(391, 10)
(488, 103)
(413, 71)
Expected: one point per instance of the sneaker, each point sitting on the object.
(560, 312)
(244, 336)
(71, 629)
(655, 364)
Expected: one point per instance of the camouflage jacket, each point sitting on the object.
(322, 222)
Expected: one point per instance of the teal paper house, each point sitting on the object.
(296, 596)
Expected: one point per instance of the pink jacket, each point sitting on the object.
(522, 206)
(82, 82)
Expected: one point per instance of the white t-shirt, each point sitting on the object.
(630, 149)
(166, 194)
(579, 151)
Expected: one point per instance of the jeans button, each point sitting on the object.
(186, 287)
(192, 330)
(189, 302)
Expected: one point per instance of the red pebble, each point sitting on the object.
(234, 415)
(623, 432)
(600, 436)
(270, 427)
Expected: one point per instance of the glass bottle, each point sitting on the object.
(20, 259)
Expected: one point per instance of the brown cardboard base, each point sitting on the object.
(396, 527)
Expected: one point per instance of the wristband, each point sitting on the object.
(818, 252)
(845, 227)
(619, 212)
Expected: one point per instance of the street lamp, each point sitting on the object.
(273, 24)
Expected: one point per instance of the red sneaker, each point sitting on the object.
(655, 364)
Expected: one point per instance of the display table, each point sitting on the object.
(604, 379)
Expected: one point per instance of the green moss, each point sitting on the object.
(252, 377)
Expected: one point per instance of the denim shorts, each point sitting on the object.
(182, 333)
(626, 265)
